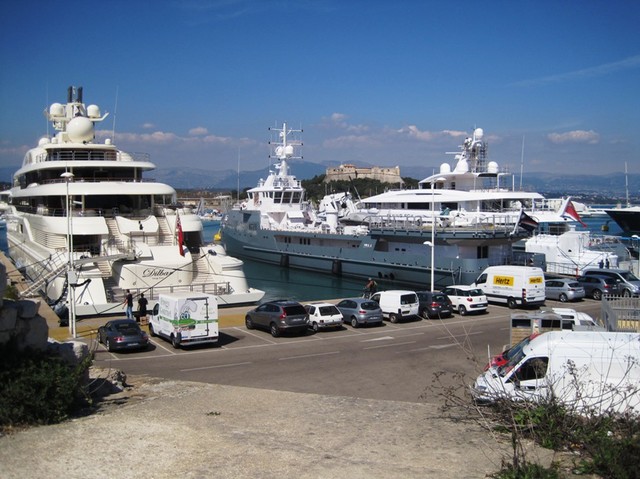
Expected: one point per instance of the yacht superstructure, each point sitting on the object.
(83, 207)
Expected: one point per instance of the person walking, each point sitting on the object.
(142, 309)
(128, 304)
(370, 288)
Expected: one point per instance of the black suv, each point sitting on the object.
(434, 305)
(278, 317)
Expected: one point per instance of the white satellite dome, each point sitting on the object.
(93, 111)
(80, 129)
(43, 141)
(445, 168)
(478, 133)
(56, 109)
(288, 150)
(492, 167)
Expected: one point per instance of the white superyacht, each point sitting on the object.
(81, 210)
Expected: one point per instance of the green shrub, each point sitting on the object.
(526, 471)
(38, 388)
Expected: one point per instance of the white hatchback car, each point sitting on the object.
(466, 299)
(324, 315)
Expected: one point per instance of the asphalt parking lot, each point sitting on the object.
(392, 361)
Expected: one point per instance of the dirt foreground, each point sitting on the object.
(165, 429)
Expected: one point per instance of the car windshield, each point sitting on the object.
(513, 361)
(369, 305)
(475, 292)
(408, 299)
(628, 276)
(127, 328)
(574, 285)
(328, 310)
(295, 310)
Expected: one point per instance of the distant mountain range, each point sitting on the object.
(611, 184)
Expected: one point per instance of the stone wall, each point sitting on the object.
(346, 172)
(20, 321)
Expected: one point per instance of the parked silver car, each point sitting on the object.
(360, 311)
(563, 289)
(278, 317)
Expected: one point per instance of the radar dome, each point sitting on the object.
(288, 150)
(80, 129)
(43, 141)
(478, 133)
(445, 168)
(93, 111)
(492, 167)
(56, 109)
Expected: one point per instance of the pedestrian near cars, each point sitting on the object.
(606, 263)
(142, 309)
(128, 304)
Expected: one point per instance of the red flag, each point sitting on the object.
(571, 212)
(180, 234)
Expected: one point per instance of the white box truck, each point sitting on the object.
(185, 318)
(587, 371)
(513, 285)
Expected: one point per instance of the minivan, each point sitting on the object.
(628, 284)
(397, 304)
(514, 285)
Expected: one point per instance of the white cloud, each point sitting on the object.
(412, 131)
(348, 141)
(148, 126)
(596, 71)
(576, 136)
(198, 131)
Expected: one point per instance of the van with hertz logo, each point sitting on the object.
(513, 285)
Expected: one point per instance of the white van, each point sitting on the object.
(185, 318)
(513, 285)
(591, 372)
(397, 304)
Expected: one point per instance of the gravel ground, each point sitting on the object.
(165, 429)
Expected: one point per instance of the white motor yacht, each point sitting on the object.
(82, 218)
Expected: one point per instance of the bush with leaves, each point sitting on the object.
(38, 388)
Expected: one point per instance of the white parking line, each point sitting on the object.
(245, 330)
(441, 346)
(390, 345)
(218, 366)
(309, 355)
(158, 343)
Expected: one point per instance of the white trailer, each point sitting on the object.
(185, 318)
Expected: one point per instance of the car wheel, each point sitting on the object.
(563, 298)
(425, 313)
(314, 326)
(248, 322)
(107, 343)
(273, 328)
(626, 293)
(393, 318)
(354, 323)
(597, 294)
(511, 302)
(175, 341)
(152, 333)
(462, 310)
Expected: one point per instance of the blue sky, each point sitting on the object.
(197, 83)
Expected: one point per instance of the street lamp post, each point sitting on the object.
(432, 243)
(637, 238)
(71, 275)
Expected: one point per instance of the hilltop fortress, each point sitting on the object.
(346, 172)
